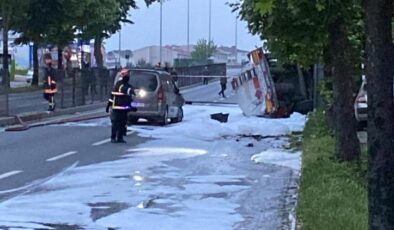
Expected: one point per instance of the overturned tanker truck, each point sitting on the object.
(261, 94)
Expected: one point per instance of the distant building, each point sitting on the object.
(151, 55)
(233, 56)
(113, 57)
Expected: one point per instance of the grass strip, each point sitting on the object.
(332, 195)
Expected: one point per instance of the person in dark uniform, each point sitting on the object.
(50, 88)
(205, 73)
(120, 102)
(223, 86)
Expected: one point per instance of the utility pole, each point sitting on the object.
(188, 27)
(236, 39)
(161, 32)
(120, 45)
(210, 21)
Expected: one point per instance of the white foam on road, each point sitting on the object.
(279, 157)
(61, 156)
(9, 174)
(197, 124)
(172, 197)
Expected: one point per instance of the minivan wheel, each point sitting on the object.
(164, 119)
(179, 117)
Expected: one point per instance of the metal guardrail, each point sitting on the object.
(87, 86)
(78, 87)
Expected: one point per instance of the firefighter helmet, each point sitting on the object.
(123, 72)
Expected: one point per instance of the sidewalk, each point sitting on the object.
(45, 115)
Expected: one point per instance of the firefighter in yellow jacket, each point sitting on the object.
(50, 88)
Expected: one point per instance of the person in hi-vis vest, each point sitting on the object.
(50, 88)
(120, 102)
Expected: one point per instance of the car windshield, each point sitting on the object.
(143, 80)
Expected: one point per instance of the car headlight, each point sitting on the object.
(142, 93)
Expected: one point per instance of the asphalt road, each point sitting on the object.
(209, 93)
(34, 101)
(30, 157)
(224, 181)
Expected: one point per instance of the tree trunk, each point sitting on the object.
(35, 65)
(379, 70)
(301, 82)
(6, 76)
(347, 143)
(59, 57)
(97, 52)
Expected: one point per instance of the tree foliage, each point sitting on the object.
(297, 30)
(316, 31)
(10, 11)
(203, 51)
(59, 22)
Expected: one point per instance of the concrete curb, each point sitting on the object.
(41, 115)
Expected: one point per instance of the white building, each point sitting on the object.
(151, 55)
(233, 56)
(112, 58)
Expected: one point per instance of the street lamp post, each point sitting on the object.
(210, 20)
(161, 31)
(120, 46)
(188, 27)
(236, 39)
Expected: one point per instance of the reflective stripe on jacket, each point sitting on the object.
(49, 82)
(121, 96)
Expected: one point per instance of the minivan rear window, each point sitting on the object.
(143, 80)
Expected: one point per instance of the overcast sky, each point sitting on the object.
(146, 30)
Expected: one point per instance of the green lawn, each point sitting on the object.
(332, 195)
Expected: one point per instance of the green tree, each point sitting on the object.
(203, 51)
(99, 19)
(55, 28)
(307, 32)
(10, 11)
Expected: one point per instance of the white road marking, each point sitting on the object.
(8, 174)
(62, 156)
(102, 142)
(109, 140)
